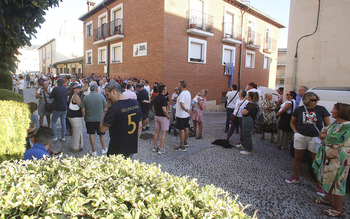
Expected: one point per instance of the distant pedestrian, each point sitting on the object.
(161, 118)
(59, 95)
(20, 84)
(302, 90)
(128, 93)
(75, 117)
(173, 102)
(199, 103)
(28, 80)
(143, 98)
(43, 95)
(92, 107)
(183, 106)
(231, 98)
(123, 119)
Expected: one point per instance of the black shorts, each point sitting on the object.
(182, 123)
(93, 127)
(145, 114)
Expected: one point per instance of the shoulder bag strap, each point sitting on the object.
(233, 98)
(45, 97)
(310, 118)
(240, 107)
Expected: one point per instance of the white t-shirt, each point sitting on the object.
(21, 85)
(184, 97)
(49, 89)
(290, 110)
(229, 97)
(148, 89)
(130, 95)
(240, 105)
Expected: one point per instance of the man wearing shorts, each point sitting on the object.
(183, 105)
(162, 119)
(123, 119)
(143, 98)
(92, 108)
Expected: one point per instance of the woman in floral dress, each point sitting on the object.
(269, 124)
(332, 161)
(198, 104)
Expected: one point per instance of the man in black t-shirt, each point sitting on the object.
(143, 98)
(123, 119)
(162, 119)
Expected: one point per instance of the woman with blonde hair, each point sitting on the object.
(199, 103)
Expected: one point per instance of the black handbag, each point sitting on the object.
(48, 106)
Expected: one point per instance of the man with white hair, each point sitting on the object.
(92, 108)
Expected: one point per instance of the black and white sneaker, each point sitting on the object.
(155, 149)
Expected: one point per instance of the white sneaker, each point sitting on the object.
(94, 154)
(55, 139)
(161, 151)
(239, 146)
(104, 151)
(245, 152)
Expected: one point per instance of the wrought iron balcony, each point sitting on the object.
(200, 23)
(253, 40)
(269, 45)
(109, 31)
(232, 33)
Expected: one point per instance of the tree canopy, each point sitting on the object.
(19, 20)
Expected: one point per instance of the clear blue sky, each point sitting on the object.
(64, 19)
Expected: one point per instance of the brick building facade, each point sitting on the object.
(172, 40)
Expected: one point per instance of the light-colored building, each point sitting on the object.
(70, 66)
(60, 49)
(281, 67)
(28, 60)
(322, 56)
(172, 40)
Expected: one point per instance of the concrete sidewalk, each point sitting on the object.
(257, 179)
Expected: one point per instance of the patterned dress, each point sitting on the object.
(332, 161)
(270, 121)
(197, 114)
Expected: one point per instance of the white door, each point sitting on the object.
(196, 12)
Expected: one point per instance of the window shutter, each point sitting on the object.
(196, 51)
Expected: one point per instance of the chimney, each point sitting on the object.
(91, 4)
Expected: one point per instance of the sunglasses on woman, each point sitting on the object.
(314, 100)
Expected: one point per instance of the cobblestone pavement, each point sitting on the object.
(258, 180)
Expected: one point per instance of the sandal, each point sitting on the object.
(199, 137)
(333, 213)
(321, 201)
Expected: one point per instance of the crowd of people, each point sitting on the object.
(122, 106)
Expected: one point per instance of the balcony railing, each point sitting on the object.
(253, 39)
(109, 29)
(270, 44)
(200, 21)
(232, 31)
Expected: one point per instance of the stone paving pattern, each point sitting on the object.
(258, 180)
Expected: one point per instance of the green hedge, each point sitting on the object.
(14, 120)
(106, 187)
(10, 95)
(5, 79)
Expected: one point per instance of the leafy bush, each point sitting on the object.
(106, 187)
(10, 95)
(14, 120)
(6, 80)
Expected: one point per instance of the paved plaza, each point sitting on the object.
(258, 179)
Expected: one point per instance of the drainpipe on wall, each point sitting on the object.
(241, 52)
(108, 16)
(297, 46)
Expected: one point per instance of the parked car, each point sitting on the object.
(66, 75)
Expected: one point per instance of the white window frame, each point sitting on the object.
(86, 57)
(231, 11)
(269, 66)
(253, 62)
(101, 16)
(121, 52)
(99, 55)
(204, 50)
(120, 6)
(254, 30)
(233, 52)
(271, 34)
(86, 28)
